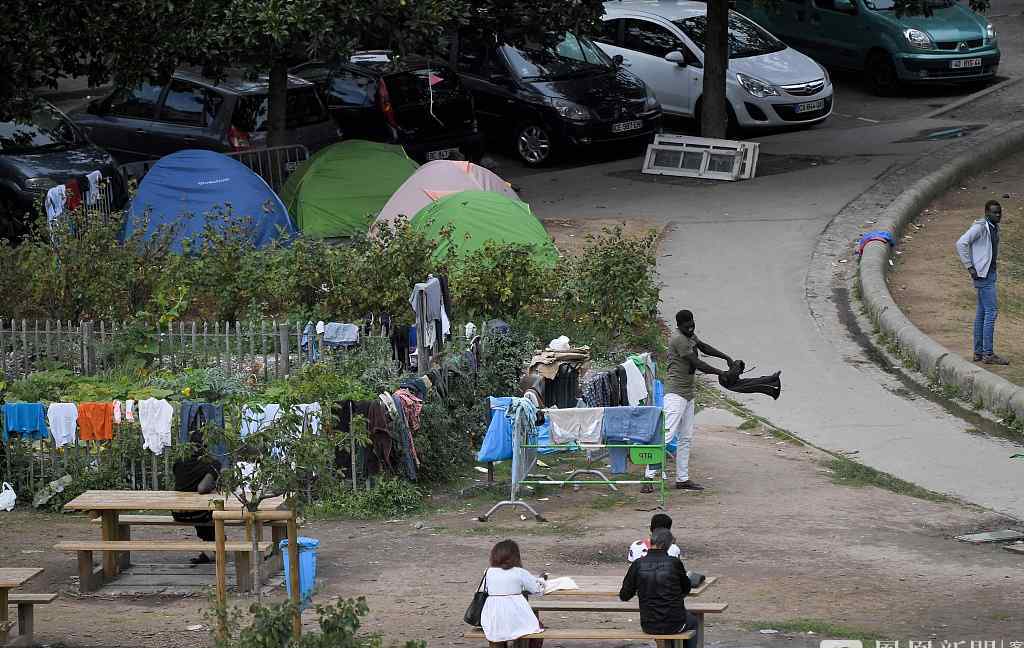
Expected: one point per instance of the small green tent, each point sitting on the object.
(480, 216)
(339, 190)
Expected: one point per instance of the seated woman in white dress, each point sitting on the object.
(507, 615)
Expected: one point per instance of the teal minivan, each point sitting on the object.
(954, 44)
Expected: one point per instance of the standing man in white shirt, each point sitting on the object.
(978, 250)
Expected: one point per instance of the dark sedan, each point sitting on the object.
(41, 148)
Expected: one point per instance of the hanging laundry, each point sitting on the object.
(470, 331)
(28, 420)
(412, 405)
(310, 413)
(337, 334)
(633, 425)
(548, 362)
(378, 426)
(129, 411)
(95, 187)
(497, 443)
(636, 386)
(63, 419)
(56, 203)
(258, 418)
(155, 420)
(770, 385)
(403, 434)
(431, 288)
(400, 345)
(95, 421)
(74, 194)
(389, 403)
(117, 412)
(580, 424)
(195, 415)
(416, 386)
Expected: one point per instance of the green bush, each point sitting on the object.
(499, 281)
(387, 498)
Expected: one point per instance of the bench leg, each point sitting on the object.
(276, 561)
(243, 572)
(110, 532)
(4, 622)
(124, 532)
(87, 579)
(26, 622)
(699, 639)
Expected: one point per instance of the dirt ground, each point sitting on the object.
(933, 289)
(793, 550)
(570, 236)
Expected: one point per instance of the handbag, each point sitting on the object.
(476, 607)
(8, 498)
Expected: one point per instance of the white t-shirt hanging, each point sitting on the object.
(63, 420)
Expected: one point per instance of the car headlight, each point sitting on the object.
(39, 185)
(651, 102)
(828, 79)
(990, 33)
(918, 39)
(757, 87)
(569, 110)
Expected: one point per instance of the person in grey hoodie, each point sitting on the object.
(978, 250)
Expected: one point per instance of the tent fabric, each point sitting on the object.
(476, 217)
(339, 190)
(191, 188)
(435, 180)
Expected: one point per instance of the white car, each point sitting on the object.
(768, 84)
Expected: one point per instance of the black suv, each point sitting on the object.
(559, 94)
(415, 102)
(41, 148)
(192, 112)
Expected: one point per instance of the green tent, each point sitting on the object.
(339, 190)
(480, 216)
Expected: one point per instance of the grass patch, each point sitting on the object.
(851, 473)
(749, 424)
(528, 528)
(822, 629)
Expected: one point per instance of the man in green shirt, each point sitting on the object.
(684, 349)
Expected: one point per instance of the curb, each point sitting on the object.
(995, 393)
(963, 101)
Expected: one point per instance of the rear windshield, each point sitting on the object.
(42, 128)
(304, 108)
(423, 86)
(745, 38)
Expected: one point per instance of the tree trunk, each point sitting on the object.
(714, 116)
(277, 110)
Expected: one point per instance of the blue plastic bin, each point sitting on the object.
(307, 566)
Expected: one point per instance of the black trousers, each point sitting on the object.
(692, 623)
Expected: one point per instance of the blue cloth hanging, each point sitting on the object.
(497, 443)
(28, 420)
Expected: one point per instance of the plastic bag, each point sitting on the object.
(7, 497)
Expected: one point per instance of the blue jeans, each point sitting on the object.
(985, 317)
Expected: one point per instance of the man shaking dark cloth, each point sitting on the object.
(768, 385)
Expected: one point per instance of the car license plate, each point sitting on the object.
(623, 127)
(810, 106)
(443, 154)
(965, 63)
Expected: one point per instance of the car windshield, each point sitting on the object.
(556, 59)
(745, 38)
(42, 128)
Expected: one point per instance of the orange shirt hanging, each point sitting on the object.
(95, 421)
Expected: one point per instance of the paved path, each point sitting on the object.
(739, 256)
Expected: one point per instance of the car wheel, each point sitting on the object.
(881, 74)
(533, 144)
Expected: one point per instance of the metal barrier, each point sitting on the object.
(273, 164)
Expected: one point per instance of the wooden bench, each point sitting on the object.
(698, 608)
(90, 577)
(593, 634)
(26, 618)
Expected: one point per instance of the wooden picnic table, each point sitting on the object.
(10, 578)
(604, 587)
(109, 504)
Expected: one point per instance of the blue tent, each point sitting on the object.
(188, 189)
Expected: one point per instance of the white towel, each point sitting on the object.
(581, 424)
(636, 386)
(63, 420)
(254, 420)
(95, 180)
(155, 419)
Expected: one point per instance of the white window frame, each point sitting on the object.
(744, 154)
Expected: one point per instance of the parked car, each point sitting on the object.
(767, 84)
(953, 44)
(152, 120)
(544, 98)
(41, 149)
(416, 103)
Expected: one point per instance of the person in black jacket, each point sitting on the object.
(197, 473)
(661, 582)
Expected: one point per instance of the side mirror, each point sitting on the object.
(617, 60)
(676, 57)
